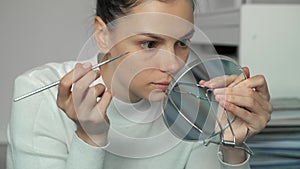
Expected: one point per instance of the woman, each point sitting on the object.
(71, 126)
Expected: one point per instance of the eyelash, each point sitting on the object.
(182, 43)
(144, 43)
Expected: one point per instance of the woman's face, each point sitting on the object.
(156, 34)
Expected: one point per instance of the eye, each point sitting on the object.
(183, 43)
(149, 44)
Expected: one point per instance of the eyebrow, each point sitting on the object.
(189, 34)
(157, 36)
(151, 35)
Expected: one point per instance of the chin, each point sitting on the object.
(156, 96)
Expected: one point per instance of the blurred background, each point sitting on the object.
(35, 32)
(261, 34)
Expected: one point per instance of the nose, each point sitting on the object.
(169, 62)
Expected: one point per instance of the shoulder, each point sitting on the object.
(41, 76)
(38, 114)
(46, 73)
(36, 78)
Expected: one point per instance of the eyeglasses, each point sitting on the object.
(192, 113)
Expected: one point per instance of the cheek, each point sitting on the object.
(141, 79)
(140, 87)
(182, 54)
(127, 78)
(141, 82)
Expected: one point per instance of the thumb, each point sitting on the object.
(246, 71)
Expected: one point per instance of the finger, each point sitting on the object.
(93, 94)
(253, 104)
(255, 122)
(82, 86)
(65, 85)
(244, 97)
(258, 83)
(247, 100)
(98, 113)
(99, 90)
(237, 80)
(218, 82)
(246, 71)
(104, 103)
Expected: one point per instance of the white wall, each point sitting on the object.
(270, 46)
(34, 32)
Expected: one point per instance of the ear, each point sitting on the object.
(101, 34)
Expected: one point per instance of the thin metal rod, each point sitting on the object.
(57, 82)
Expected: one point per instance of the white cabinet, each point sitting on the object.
(220, 19)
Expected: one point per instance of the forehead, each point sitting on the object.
(151, 23)
(181, 8)
(172, 18)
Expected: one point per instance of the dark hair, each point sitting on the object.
(109, 10)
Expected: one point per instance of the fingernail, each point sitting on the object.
(217, 98)
(220, 97)
(87, 65)
(212, 85)
(217, 91)
(222, 103)
(77, 64)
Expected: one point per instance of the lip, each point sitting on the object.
(161, 85)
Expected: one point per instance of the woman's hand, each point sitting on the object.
(80, 102)
(248, 100)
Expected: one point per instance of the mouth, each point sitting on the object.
(163, 86)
